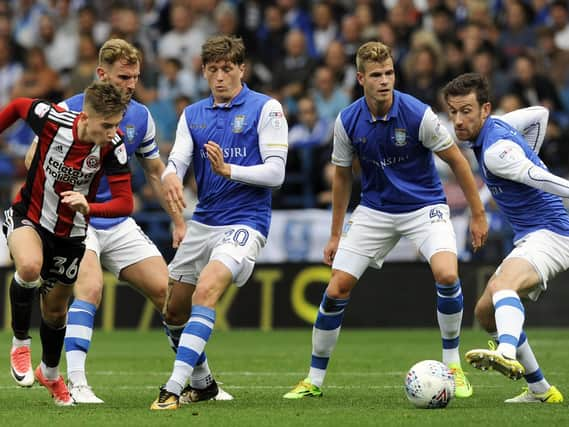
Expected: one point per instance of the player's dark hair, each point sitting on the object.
(104, 99)
(223, 48)
(466, 84)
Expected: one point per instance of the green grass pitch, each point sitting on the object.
(364, 386)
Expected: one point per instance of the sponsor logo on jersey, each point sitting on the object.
(130, 132)
(238, 123)
(63, 173)
(59, 148)
(229, 152)
(41, 109)
(400, 137)
(276, 119)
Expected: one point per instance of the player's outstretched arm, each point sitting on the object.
(507, 160)
(461, 169)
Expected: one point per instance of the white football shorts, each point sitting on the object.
(120, 246)
(236, 246)
(369, 235)
(547, 251)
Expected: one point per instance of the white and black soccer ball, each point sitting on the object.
(429, 384)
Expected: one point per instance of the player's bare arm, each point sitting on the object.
(461, 169)
(153, 169)
(30, 153)
(341, 191)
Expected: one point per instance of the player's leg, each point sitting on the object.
(202, 384)
(368, 240)
(539, 389)
(52, 332)
(326, 331)
(431, 230)
(514, 277)
(80, 324)
(225, 263)
(214, 280)
(26, 249)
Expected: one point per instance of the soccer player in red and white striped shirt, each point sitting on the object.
(47, 222)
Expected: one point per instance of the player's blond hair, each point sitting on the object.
(372, 52)
(223, 48)
(114, 50)
(104, 99)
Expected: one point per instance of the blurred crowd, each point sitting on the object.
(300, 52)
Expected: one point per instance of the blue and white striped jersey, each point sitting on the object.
(395, 153)
(139, 132)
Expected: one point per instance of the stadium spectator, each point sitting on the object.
(231, 221)
(517, 178)
(335, 59)
(61, 223)
(325, 27)
(54, 42)
(83, 73)
(183, 41)
(309, 150)
(533, 88)
(402, 195)
(271, 37)
(10, 70)
(293, 72)
(38, 79)
(484, 62)
(329, 97)
(88, 23)
(559, 12)
(517, 36)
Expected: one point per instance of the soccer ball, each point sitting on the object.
(429, 384)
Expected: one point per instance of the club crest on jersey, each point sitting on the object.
(238, 123)
(400, 137)
(130, 132)
(92, 162)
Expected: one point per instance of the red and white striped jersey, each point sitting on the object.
(61, 163)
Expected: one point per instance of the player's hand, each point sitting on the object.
(330, 250)
(215, 156)
(173, 192)
(75, 201)
(478, 231)
(178, 233)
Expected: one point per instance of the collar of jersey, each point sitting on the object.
(485, 128)
(393, 111)
(238, 100)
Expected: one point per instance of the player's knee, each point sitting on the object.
(89, 291)
(174, 316)
(29, 270)
(55, 316)
(206, 296)
(446, 278)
